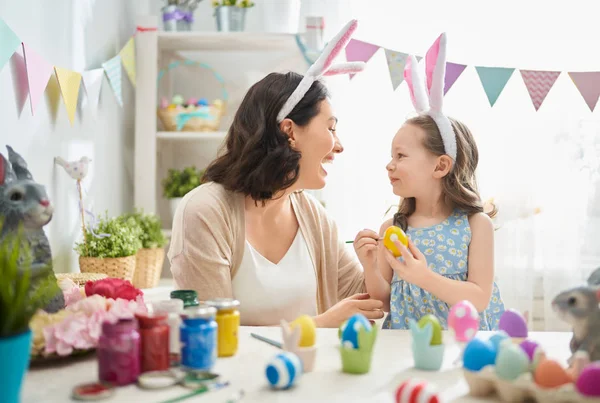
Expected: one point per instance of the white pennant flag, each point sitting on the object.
(92, 81)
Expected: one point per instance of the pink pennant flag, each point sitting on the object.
(38, 73)
(538, 84)
(359, 51)
(453, 71)
(588, 84)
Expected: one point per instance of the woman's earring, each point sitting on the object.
(292, 142)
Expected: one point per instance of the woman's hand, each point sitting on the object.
(413, 267)
(365, 246)
(357, 303)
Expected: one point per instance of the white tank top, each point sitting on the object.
(269, 292)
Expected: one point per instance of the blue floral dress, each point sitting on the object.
(446, 247)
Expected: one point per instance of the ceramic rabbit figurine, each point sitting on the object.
(25, 202)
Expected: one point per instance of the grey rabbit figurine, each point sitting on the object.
(24, 201)
(594, 278)
(579, 307)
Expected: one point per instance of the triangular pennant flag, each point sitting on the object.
(588, 84)
(453, 71)
(112, 68)
(38, 73)
(396, 62)
(128, 59)
(538, 84)
(69, 82)
(494, 80)
(92, 81)
(359, 51)
(9, 42)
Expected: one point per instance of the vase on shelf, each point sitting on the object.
(230, 18)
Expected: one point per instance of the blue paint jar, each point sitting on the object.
(198, 336)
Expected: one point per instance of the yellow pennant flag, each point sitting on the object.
(128, 59)
(69, 82)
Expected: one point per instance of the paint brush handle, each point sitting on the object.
(266, 340)
(379, 239)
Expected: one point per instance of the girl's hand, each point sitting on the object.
(413, 267)
(365, 246)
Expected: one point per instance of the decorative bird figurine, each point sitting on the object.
(76, 169)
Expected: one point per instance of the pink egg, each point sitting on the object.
(164, 103)
(463, 319)
(192, 101)
(513, 323)
(587, 383)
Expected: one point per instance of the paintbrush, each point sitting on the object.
(266, 340)
(379, 239)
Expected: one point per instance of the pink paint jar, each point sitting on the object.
(119, 352)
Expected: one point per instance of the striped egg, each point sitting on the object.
(416, 391)
(283, 370)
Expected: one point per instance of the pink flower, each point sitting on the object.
(89, 305)
(112, 288)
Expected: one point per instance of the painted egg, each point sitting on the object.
(513, 323)
(529, 346)
(202, 102)
(308, 330)
(415, 390)
(164, 103)
(436, 337)
(351, 328)
(177, 100)
(463, 320)
(391, 235)
(191, 101)
(497, 338)
(478, 353)
(588, 382)
(511, 361)
(550, 374)
(172, 106)
(283, 370)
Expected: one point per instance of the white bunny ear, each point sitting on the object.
(333, 48)
(416, 87)
(435, 67)
(345, 68)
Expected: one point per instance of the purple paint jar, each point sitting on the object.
(119, 352)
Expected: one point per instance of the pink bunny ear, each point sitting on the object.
(345, 68)
(415, 84)
(334, 47)
(435, 67)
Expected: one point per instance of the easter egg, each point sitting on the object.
(416, 390)
(436, 337)
(391, 235)
(529, 346)
(164, 103)
(351, 328)
(550, 374)
(463, 320)
(588, 383)
(478, 353)
(498, 338)
(513, 323)
(308, 330)
(191, 101)
(172, 106)
(283, 370)
(202, 102)
(177, 100)
(511, 361)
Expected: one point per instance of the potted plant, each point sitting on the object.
(113, 252)
(231, 14)
(150, 257)
(18, 304)
(178, 183)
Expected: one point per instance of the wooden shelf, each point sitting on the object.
(224, 41)
(191, 135)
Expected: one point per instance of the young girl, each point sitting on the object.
(450, 254)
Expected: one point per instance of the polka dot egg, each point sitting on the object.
(463, 320)
(350, 329)
(283, 370)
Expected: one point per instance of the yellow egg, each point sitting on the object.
(308, 330)
(392, 234)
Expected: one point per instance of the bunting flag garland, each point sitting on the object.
(453, 71)
(360, 51)
(128, 59)
(38, 74)
(493, 80)
(92, 82)
(69, 82)
(588, 84)
(9, 42)
(538, 84)
(112, 68)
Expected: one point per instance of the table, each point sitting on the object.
(392, 363)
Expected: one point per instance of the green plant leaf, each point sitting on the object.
(124, 239)
(179, 182)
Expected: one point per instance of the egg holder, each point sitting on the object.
(427, 356)
(291, 343)
(358, 360)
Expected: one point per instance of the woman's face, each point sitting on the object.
(318, 143)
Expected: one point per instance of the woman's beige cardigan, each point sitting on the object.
(208, 239)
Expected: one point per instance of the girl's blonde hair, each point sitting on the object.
(459, 185)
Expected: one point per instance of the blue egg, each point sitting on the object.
(498, 338)
(283, 370)
(202, 102)
(478, 353)
(351, 327)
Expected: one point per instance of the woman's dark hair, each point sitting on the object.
(257, 159)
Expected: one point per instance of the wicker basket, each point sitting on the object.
(81, 278)
(198, 118)
(115, 267)
(148, 267)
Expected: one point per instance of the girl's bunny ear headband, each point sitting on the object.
(429, 100)
(324, 67)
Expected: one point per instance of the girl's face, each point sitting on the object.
(318, 143)
(411, 169)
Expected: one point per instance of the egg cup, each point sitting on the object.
(427, 356)
(291, 339)
(358, 360)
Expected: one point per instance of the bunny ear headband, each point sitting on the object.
(324, 67)
(429, 100)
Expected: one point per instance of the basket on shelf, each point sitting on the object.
(148, 267)
(115, 267)
(81, 278)
(193, 115)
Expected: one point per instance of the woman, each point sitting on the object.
(250, 232)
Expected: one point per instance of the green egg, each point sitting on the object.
(177, 100)
(511, 361)
(436, 338)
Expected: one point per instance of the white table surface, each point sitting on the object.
(392, 363)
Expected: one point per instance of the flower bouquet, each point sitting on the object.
(76, 329)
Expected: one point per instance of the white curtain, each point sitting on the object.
(541, 167)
